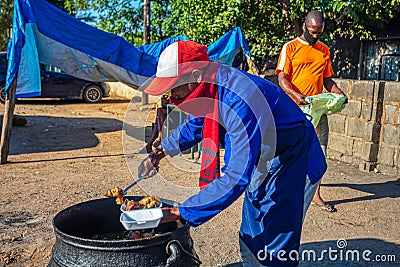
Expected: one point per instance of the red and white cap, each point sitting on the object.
(179, 58)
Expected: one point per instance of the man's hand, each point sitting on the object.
(150, 165)
(338, 91)
(146, 168)
(170, 215)
(332, 87)
(286, 85)
(300, 98)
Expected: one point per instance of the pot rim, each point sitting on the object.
(122, 244)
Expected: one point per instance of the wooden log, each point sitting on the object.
(7, 122)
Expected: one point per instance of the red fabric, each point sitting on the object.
(203, 102)
(194, 56)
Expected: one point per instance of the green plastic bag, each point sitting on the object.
(327, 103)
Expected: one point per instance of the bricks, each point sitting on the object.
(340, 156)
(368, 112)
(360, 129)
(366, 90)
(391, 135)
(344, 85)
(352, 109)
(367, 131)
(367, 151)
(392, 92)
(391, 114)
(386, 155)
(367, 166)
(341, 144)
(336, 123)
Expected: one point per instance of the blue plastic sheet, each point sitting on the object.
(45, 34)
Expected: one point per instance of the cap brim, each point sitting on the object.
(161, 85)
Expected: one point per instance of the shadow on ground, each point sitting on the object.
(389, 189)
(48, 101)
(49, 134)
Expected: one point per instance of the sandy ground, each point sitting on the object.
(70, 152)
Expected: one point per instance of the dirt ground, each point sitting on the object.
(70, 152)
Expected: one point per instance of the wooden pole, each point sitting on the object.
(146, 37)
(7, 122)
(146, 22)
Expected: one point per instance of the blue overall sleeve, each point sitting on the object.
(242, 146)
(184, 137)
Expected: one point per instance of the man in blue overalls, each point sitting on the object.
(272, 153)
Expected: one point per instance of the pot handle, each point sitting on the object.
(174, 249)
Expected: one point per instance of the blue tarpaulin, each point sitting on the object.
(228, 46)
(42, 33)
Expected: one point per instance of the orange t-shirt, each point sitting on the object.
(305, 65)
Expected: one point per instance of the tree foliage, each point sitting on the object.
(6, 17)
(362, 18)
(267, 24)
(121, 17)
(6, 14)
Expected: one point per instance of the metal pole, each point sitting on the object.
(7, 122)
(146, 37)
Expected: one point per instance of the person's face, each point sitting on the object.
(182, 91)
(187, 85)
(314, 29)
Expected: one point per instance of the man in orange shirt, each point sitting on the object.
(304, 68)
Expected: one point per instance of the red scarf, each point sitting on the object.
(203, 102)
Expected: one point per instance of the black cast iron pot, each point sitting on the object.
(76, 226)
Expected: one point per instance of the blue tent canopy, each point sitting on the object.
(228, 46)
(42, 33)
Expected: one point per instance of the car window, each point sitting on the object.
(3, 60)
(50, 68)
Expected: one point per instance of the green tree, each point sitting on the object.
(268, 24)
(362, 18)
(58, 3)
(6, 15)
(263, 22)
(160, 10)
(122, 17)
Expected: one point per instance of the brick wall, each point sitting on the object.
(367, 131)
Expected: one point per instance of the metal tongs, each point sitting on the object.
(124, 191)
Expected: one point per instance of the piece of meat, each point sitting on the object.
(115, 192)
(132, 205)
